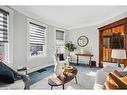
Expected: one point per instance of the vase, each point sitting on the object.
(57, 68)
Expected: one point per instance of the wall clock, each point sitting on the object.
(82, 41)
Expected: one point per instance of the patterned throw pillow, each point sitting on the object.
(116, 80)
(110, 83)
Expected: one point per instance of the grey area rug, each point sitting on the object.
(85, 81)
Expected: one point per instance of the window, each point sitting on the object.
(37, 37)
(4, 32)
(59, 35)
(60, 40)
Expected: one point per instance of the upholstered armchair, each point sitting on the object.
(6, 79)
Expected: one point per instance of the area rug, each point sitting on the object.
(85, 81)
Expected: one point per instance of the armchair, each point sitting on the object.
(20, 82)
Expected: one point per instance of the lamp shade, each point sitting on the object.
(118, 54)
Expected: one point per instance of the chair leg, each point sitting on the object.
(63, 86)
(51, 87)
(76, 80)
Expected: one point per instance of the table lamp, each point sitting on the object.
(118, 54)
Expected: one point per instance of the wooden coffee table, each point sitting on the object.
(60, 80)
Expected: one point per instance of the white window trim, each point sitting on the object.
(10, 37)
(28, 45)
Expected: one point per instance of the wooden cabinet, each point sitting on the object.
(112, 36)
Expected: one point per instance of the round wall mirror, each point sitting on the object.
(82, 41)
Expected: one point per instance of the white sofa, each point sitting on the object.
(101, 76)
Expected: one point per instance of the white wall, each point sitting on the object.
(113, 19)
(92, 34)
(20, 45)
(20, 40)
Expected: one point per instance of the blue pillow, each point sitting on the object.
(6, 75)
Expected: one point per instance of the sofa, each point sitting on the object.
(102, 74)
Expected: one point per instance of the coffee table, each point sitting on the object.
(60, 80)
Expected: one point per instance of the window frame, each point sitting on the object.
(62, 32)
(10, 34)
(28, 36)
(61, 41)
(55, 35)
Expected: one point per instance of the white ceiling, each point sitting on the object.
(70, 17)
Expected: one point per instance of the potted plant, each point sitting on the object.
(69, 47)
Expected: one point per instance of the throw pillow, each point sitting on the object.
(116, 81)
(110, 83)
(117, 73)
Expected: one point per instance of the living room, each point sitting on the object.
(36, 41)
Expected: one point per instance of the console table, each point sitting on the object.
(85, 55)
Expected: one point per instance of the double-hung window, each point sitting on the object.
(4, 32)
(60, 40)
(60, 37)
(37, 39)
